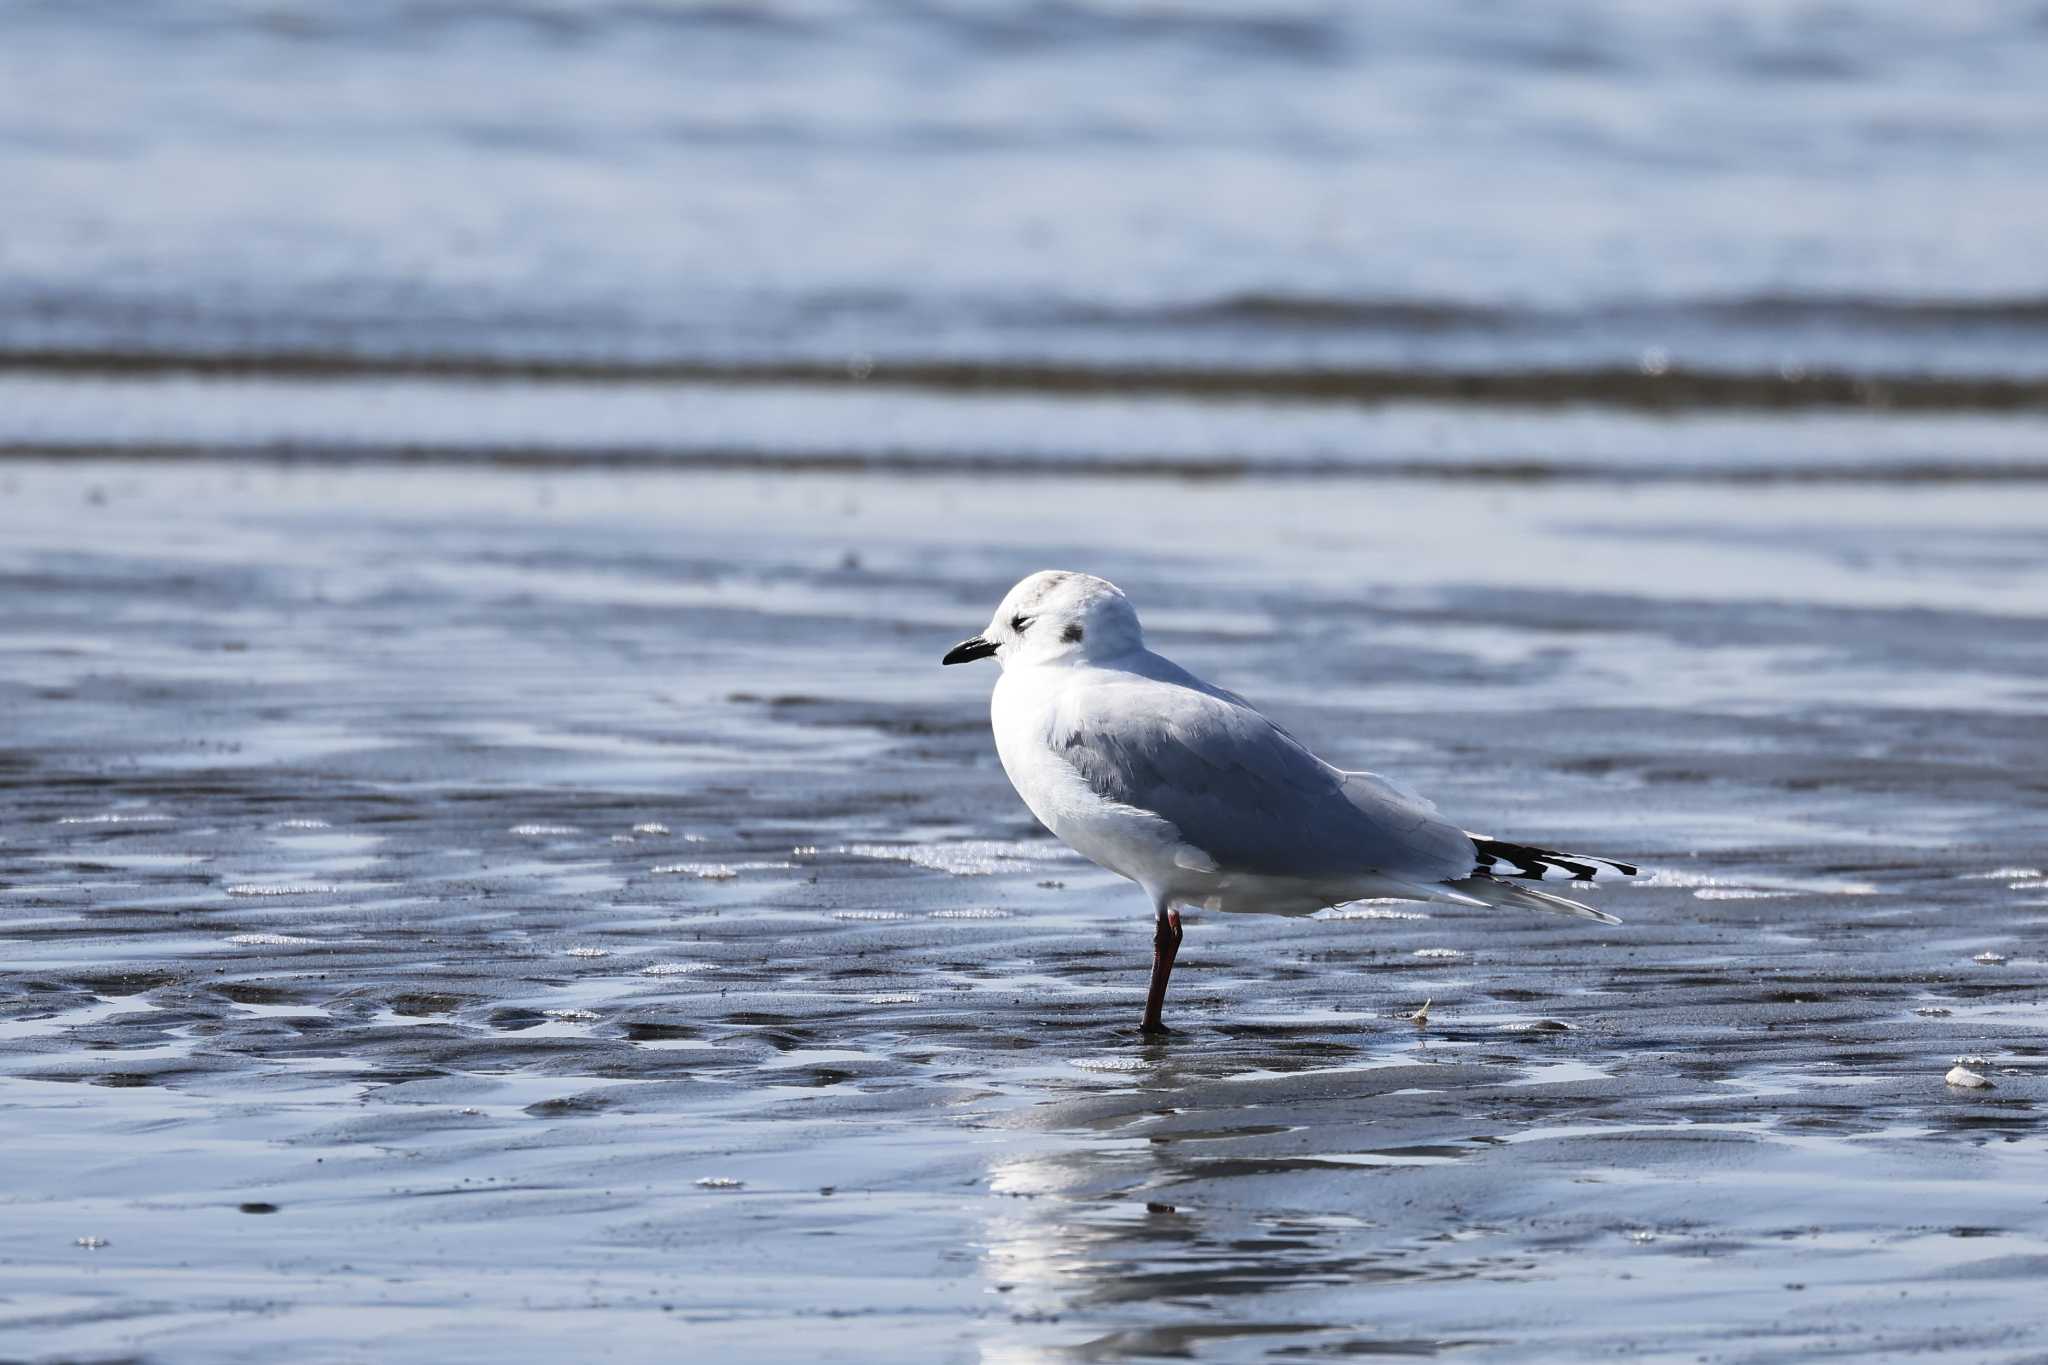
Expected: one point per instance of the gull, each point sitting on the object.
(1184, 788)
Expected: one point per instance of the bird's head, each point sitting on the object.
(1055, 617)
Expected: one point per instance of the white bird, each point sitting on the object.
(1184, 788)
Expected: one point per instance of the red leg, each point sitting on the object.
(1165, 947)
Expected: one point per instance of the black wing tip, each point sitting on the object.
(1532, 862)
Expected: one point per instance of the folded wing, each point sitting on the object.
(1244, 791)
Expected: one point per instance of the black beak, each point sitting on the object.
(967, 651)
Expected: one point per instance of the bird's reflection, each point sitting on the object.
(1123, 1241)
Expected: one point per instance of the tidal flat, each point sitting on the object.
(451, 914)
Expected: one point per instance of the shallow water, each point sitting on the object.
(460, 912)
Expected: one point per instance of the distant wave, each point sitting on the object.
(1306, 310)
(2026, 310)
(400, 21)
(1653, 388)
(1596, 37)
(1275, 311)
(1304, 33)
(1259, 308)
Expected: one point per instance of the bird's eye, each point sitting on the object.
(1019, 622)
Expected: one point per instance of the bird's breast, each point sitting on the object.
(1020, 715)
(1024, 714)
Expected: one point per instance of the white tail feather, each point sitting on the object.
(1493, 891)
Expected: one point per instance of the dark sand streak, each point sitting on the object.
(1675, 388)
(1385, 468)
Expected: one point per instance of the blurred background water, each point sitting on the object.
(1300, 209)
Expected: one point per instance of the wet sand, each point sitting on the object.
(450, 914)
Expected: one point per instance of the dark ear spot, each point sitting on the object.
(1072, 635)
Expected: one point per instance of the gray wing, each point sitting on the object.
(1243, 790)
